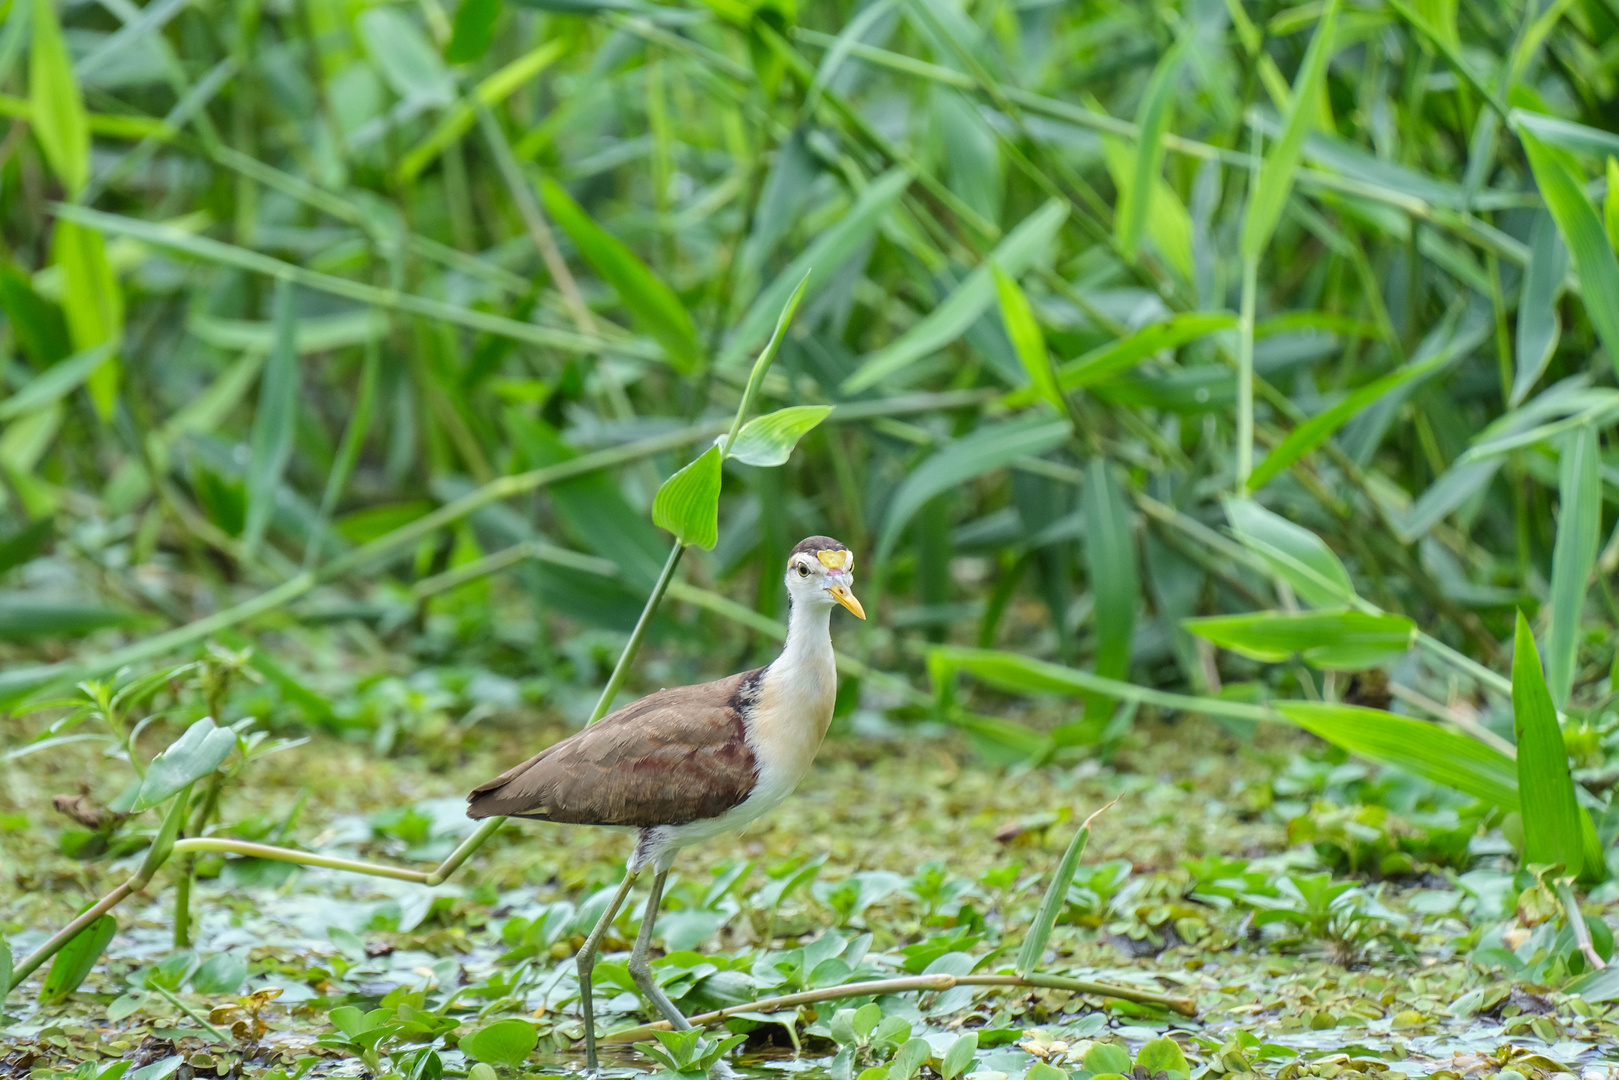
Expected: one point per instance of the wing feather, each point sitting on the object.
(672, 757)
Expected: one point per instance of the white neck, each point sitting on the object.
(809, 634)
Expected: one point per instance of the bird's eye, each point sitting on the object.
(803, 571)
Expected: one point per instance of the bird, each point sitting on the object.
(691, 763)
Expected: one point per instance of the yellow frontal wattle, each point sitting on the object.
(836, 560)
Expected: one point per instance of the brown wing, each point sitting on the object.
(675, 756)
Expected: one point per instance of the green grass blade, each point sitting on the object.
(1342, 640)
(1152, 120)
(1051, 905)
(1538, 324)
(56, 105)
(1017, 315)
(1579, 522)
(651, 303)
(1111, 565)
(1560, 183)
(1316, 430)
(1269, 196)
(1551, 816)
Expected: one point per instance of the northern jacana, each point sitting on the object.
(693, 763)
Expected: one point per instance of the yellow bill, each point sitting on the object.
(842, 595)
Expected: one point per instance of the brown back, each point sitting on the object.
(673, 757)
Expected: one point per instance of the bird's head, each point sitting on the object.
(820, 570)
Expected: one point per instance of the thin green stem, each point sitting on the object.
(302, 858)
(1245, 370)
(622, 669)
(464, 851)
(174, 1000)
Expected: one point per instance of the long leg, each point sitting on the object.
(641, 970)
(587, 964)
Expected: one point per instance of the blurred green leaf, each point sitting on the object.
(1111, 566)
(993, 446)
(1017, 315)
(1579, 524)
(56, 106)
(92, 301)
(1551, 815)
(1561, 185)
(1424, 749)
(222, 973)
(1152, 121)
(1345, 640)
(200, 750)
(950, 319)
(34, 616)
(1610, 203)
(5, 970)
(1294, 554)
(55, 382)
(1268, 197)
(404, 57)
(474, 30)
(652, 304)
(70, 967)
(819, 264)
(958, 1059)
(505, 1042)
(769, 440)
(37, 322)
(1538, 324)
(1108, 360)
(1319, 428)
(688, 503)
(274, 421)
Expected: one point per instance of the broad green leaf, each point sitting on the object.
(1538, 324)
(1106, 361)
(688, 503)
(474, 30)
(55, 104)
(1344, 640)
(1316, 430)
(1579, 524)
(993, 446)
(1111, 567)
(93, 303)
(1107, 1058)
(819, 264)
(195, 754)
(769, 440)
(1268, 197)
(1051, 905)
(1162, 1055)
(1016, 252)
(1295, 554)
(402, 54)
(1152, 120)
(55, 382)
(1551, 815)
(1424, 749)
(37, 322)
(275, 419)
(1017, 315)
(222, 973)
(959, 1058)
(78, 957)
(909, 1058)
(652, 304)
(1561, 185)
